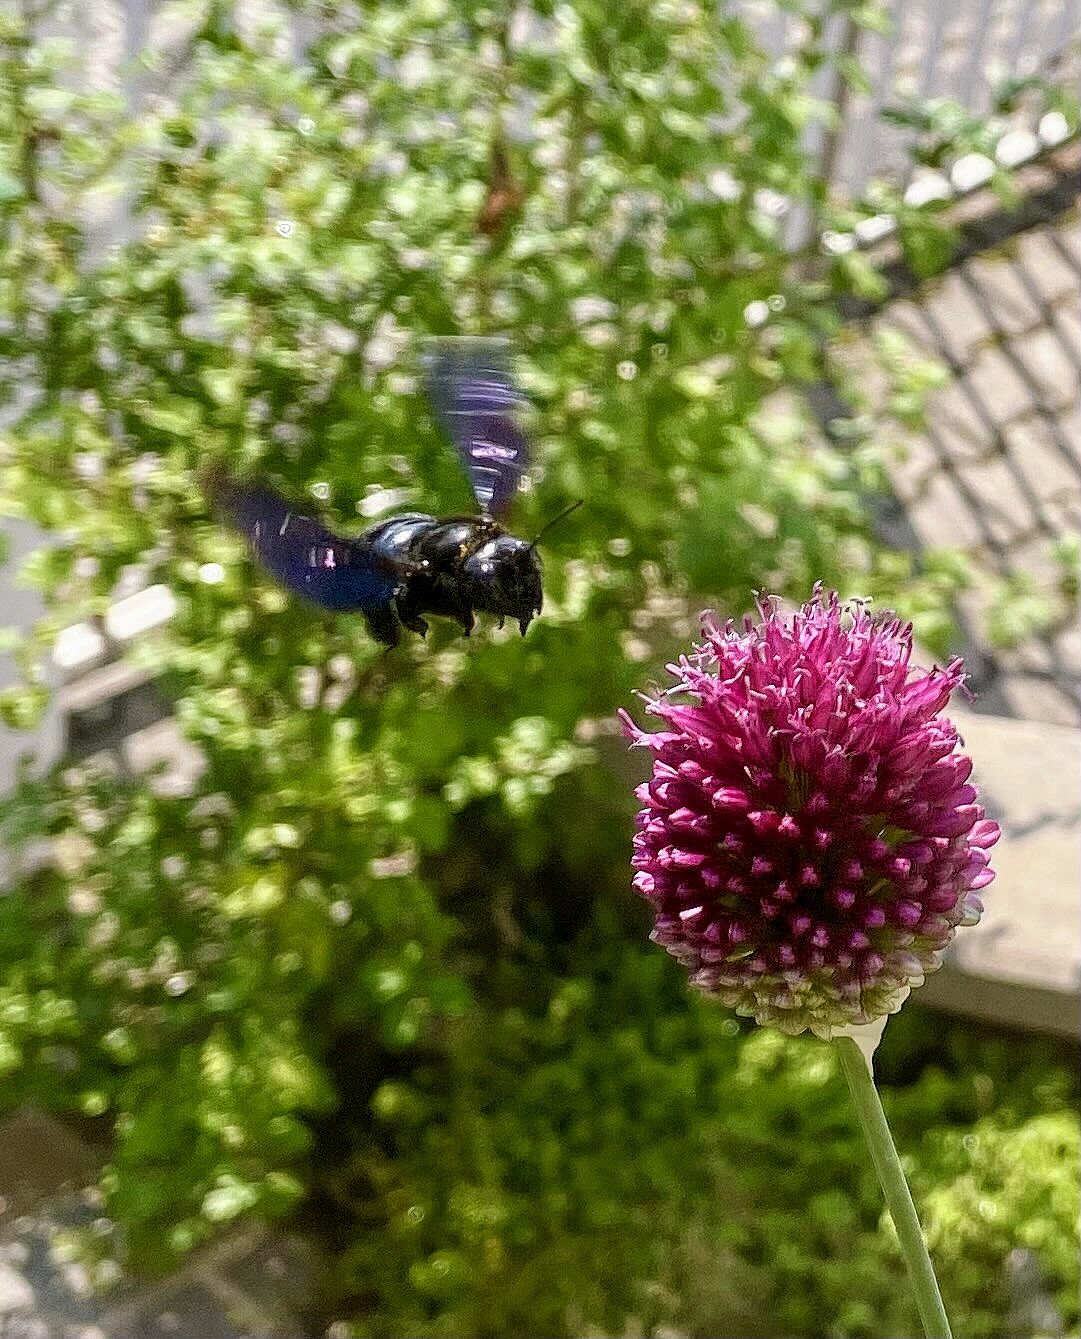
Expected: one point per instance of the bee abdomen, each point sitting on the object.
(399, 537)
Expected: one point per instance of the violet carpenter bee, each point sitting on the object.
(413, 564)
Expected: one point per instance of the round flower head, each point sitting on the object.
(809, 841)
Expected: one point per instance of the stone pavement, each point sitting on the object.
(996, 473)
(247, 1286)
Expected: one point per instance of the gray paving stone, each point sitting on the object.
(189, 1312)
(1032, 656)
(1010, 305)
(1032, 554)
(907, 317)
(1070, 423)
(1050, 659)
(1068, 233)
(1047, 360)
(964, 327)
(911, 464)
(1067, 318)
(279, 1270)
(1067, 646)
(998, 388)
(1051, 272)
(1048, 464)
(958, 434)
(941, 518)
(1033, 699)
(1061, 512)
(957, 427)
(1001, 497)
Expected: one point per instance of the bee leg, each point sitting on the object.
(383, 625)
(466, 619)
(409, 614)
(502, 620)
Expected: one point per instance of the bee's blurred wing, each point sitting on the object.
(474, 398)
(339, 574)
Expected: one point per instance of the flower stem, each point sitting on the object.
(861, 1084)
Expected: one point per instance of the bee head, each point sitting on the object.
(504, 577)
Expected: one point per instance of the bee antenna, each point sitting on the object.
(554, 521)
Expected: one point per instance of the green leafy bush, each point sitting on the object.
(381, 968)
(621, 1159)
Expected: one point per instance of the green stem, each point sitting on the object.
(895, 1188)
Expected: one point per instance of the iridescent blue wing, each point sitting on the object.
(339, 574)
(474, 398)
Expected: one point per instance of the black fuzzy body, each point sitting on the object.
(454, 567)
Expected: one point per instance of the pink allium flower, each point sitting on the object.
(810, 840)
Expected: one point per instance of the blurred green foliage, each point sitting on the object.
(382, 969)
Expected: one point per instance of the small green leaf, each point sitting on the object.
(228, 1201)
(11, 189)
(172, 414)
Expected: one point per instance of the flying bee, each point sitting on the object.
(413, 564)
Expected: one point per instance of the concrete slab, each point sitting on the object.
(1022, 964)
